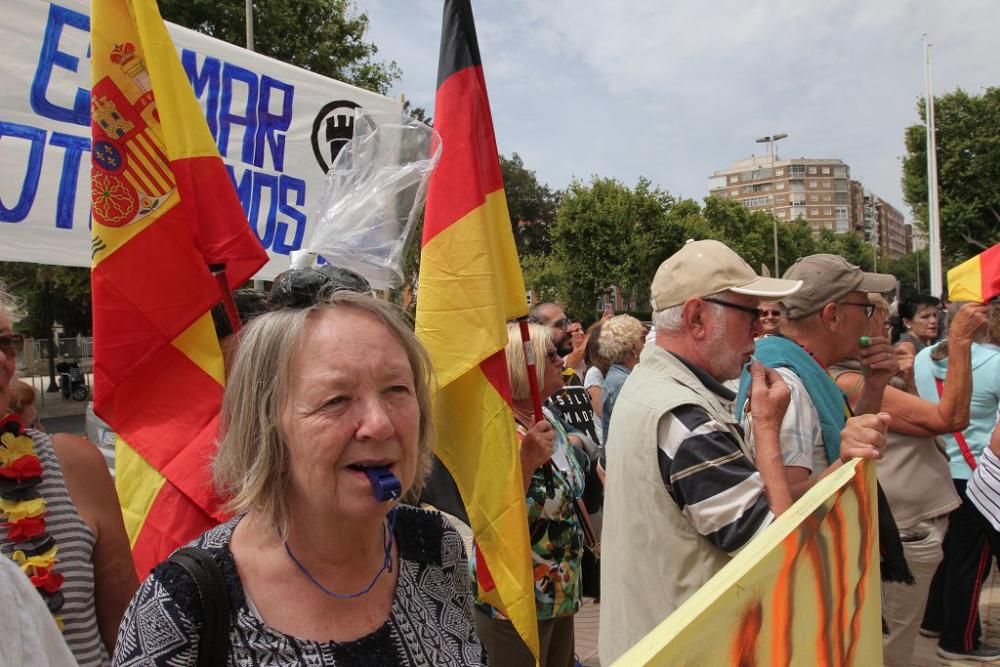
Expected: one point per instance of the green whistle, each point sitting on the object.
(865, 341)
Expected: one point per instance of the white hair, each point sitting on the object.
(671, 320)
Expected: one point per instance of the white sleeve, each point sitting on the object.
(30, 636)
(593, 378)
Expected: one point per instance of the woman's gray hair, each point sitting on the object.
(10, 305)
(618, 336)
(251, 467)
(517, 367)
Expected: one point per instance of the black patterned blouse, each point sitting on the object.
(430, 623)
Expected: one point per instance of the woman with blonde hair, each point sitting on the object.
(620, 342)
(553, 481)
(325, 422)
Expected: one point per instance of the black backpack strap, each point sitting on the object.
(213, 641)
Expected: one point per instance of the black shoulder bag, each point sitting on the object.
(213, 640)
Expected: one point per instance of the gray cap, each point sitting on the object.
(828, 279)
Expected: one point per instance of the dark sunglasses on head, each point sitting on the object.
(11, 343)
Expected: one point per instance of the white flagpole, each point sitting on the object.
(933, 212)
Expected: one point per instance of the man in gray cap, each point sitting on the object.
(683, 489)
(823, 323)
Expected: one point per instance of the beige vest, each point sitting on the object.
(652, 559)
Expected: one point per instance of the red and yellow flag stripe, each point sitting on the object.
(977, 279)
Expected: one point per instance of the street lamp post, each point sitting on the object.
(769, 140)
(45, 277)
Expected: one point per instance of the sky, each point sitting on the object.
(673, 90)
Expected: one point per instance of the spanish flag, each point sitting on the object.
(977, 279)
(164, 210)
(470, 285)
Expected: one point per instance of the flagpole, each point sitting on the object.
(933, 212)
(249, 21)
(529, 360)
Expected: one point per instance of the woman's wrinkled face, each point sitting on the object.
(925, 322)
(351, 405)
(879, 324)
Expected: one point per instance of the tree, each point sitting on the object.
(968, 147)
(323, 36)
(532, 206)
(67, 299)
(606, 234)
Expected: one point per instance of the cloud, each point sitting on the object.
(676, 90)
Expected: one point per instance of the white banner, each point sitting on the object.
(277, 127)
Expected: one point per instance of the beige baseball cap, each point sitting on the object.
(828, 279)
(706, 267)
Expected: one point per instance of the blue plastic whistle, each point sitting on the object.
(385, 485)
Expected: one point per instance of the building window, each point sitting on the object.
(827, 198)
(756, 201)
(813, 197)
(814, 211)
(841, 225)
(840, 172)
(828, 211)
(797, 170)
(813, 184)
(780, 185)
(734, 179)
(779, 172)
(812, 171)
(826, 171)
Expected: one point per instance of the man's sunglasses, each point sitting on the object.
(11, 343)
(736, 306)
(769, 313)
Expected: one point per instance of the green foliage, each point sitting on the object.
(606, 234)
(324, 36)
(66, 300)
(968, 146)
(532, 206)
(912, 271)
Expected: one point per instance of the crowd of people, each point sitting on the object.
(658, 452)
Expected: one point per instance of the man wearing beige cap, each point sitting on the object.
(823, 323)
(683, 490)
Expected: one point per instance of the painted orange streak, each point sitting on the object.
(813, 525)
(744, 648)
(782, 603)
(839, 625)
(864, 564)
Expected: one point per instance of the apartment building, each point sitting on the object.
(813, 189)
(820, 191)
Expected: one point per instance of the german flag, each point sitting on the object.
(164, 210)
(470, 285)
(977, 279)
